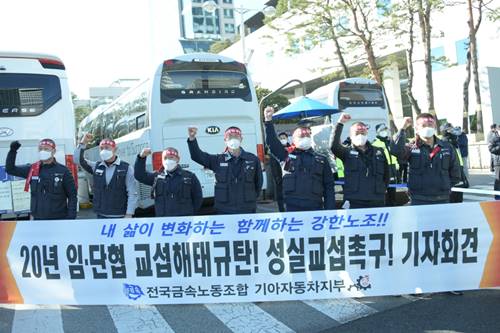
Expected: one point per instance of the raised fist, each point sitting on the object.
(407, 122)
(15, 145)
(344, 118)
(145, 152)
(192, 131)
(268, 113)
(87, 138)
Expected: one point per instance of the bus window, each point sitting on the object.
(204, 84)
(354, 95)
(27, 94)
(140, 121)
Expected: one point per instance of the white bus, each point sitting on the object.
(208, 91)
(35, 103)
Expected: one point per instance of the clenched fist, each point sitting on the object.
(407, 122)
(268, 113)
(344, 118)
(145, 152)
(192, 131)
(87, 138)
(15, 145)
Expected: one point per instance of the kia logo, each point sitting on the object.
(212, 130)
(5, 132)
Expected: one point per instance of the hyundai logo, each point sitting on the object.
(212, 130)
(5, 132)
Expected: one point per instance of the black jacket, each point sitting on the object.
(53, 194)
(366, 172)
(307, 177)
(176, 194)
(431, 179)
(238, 179)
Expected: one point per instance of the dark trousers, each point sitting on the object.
(456, 197)
(220, 212)
(415, 202)
(390, 197)
(278, 183)
(403, 173)
(99, 216)
(497, 181)
(293, 208)
(353, 204)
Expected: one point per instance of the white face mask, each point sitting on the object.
(106, 154)
(359, 140)
(169, 165)
(233, 144)
(383, 134)
(44, 155)
(284, 142)
(426, 132)
(304, 143)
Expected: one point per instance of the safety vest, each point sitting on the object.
(459, 154)
(340, 167)
(391, 159)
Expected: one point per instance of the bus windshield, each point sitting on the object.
(27, 94)
(355, 95)
(203, 84)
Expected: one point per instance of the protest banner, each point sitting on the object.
(254, 257)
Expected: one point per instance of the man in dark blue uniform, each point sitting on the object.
(238, 174)
(114, 186)
(308, 182)
(177, 192)
(53, 190)
(366, 170)
(433, 164)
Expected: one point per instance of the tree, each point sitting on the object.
(319, 23)
(80, 113)
(472, 61)
(402, 24)
(277, 101)
(220, 46)
(424, 10)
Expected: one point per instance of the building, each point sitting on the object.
(200, 29)
(104, 95)
(275, 58)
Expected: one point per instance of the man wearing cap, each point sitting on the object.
(385, 142)
(278, 174)
(308, 182)
(366, 171)
(238, 174)
(53, 190)
(433, 164)
(177, 192)
(114, 189)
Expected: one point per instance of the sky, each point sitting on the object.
(99, 41)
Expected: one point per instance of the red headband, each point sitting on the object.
(107, 142)
(232, 131)
(170, 152)
(361, 127)
(46, 142)
(428, 120)
(302, 132)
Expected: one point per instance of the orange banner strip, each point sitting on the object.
(491, 273)
(9, 292)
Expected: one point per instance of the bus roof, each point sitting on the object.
(203, 57)
(28, 55)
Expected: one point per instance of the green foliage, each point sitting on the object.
(277, 101)
(220, 46)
